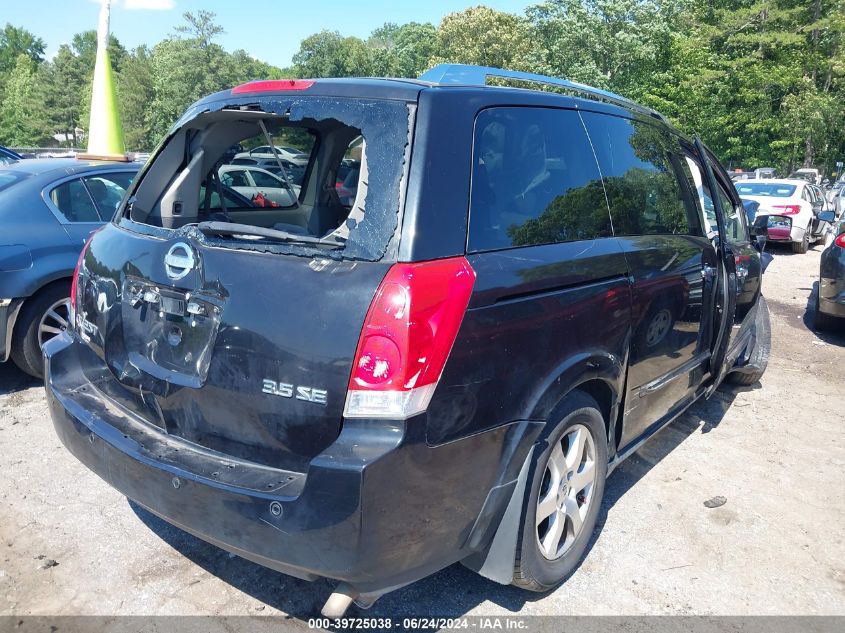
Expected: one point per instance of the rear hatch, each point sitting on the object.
(231, 322)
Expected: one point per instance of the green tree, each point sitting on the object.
(17, 125)
(84, 45)
(761, 80)
(481, 35)
(136, 91)
(190, 65)
(15, 41)
(329, 54)
(409, 48)
(62, 88)
(612, 44)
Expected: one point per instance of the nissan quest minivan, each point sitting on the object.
(474, 304)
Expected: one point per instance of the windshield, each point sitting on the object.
(765, 189)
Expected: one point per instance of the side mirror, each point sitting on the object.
(760, 228)
(827, 216)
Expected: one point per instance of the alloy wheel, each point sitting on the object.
(566, 492)
(54, 321)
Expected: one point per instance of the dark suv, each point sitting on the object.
(526, 286)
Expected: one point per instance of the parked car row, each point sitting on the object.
(792, 206)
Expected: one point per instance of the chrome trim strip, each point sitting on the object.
(681, 370)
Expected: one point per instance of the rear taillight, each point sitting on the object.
(840, 241)
(787, 209)
(407, 336)
(74, 284)
(273, 85)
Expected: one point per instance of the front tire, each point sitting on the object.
(566, 488)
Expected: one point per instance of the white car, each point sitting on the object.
(259, 184)
(809, 174)
(292, 154)
(792, 207)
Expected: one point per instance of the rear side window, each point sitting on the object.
(264, 180)
(646, 177)
(73, 202)
(108, 190)
(534, 180)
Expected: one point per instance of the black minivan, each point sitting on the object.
(523, 287)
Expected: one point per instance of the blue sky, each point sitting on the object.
(267, 29)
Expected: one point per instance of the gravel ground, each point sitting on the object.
(71, 545)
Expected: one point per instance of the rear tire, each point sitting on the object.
(577, 421)
(823, 322)
(26, 340)
(801, 247)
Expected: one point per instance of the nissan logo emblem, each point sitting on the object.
(179, 261)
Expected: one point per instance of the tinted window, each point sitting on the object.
(264, 180)
(74, 203)
(646, 177)
(233, 200)
(235, 178)
(534, 181)
(108, 190)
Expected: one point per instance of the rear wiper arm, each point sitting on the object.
(233, 228)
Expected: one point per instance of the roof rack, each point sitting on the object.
(469, 75)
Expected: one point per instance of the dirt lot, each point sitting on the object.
(72, 545)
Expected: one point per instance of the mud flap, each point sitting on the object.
(497, 561)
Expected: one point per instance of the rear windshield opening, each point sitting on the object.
(307, 177)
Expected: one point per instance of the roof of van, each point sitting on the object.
(443, 76)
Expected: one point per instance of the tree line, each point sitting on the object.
(761, 81)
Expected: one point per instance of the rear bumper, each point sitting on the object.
(832, 296)
(379, 508)
(784, 229)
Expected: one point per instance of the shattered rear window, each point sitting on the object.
(327, 170)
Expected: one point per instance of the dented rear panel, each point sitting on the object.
(248, 354)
